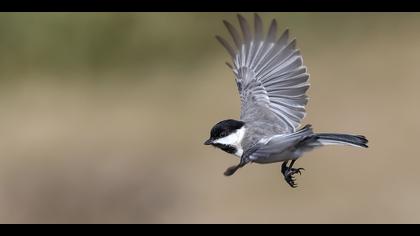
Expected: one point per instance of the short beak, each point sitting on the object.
(208, 142)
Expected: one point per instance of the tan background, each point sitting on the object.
(103, 116)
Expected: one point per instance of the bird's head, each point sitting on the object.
(227, 135)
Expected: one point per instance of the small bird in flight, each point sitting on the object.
(272, 82)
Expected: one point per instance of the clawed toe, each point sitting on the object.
(294, 171)
(289, 172)
(298, 170)
(291, 181)
(289, 176)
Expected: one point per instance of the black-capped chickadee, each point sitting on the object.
(272, 82)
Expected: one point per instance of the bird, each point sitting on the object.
(272, 82)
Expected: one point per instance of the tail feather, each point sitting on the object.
(342, 139)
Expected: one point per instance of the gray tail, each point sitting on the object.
(341, 139)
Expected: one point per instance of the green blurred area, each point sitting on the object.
(103, 118)
(98, 42)
(57, 42)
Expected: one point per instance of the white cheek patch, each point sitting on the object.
(234, 139)
(228, 140)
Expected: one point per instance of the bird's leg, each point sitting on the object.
(288, 173)
(293, 170)
(284, 167)
(231, 170)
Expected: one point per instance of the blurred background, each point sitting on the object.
(103, 118)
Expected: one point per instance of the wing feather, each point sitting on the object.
(226, 45)
(269, 72)
(273, 149)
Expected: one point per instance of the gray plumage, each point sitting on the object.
(272, 82)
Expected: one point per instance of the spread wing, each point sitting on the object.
(270, 74)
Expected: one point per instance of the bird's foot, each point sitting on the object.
(289, 176)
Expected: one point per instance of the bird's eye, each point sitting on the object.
(223, 134)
